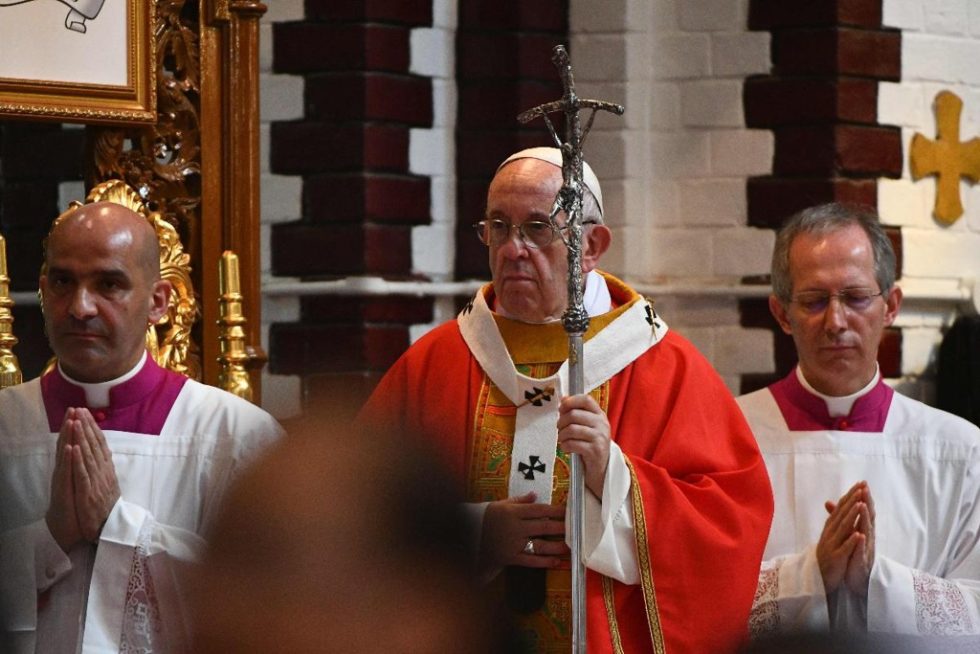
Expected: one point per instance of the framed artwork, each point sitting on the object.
(86, 61)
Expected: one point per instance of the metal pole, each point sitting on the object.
(576, 513)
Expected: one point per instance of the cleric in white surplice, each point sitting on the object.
(110, 466)
(876, 495)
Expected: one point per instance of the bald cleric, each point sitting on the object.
(111, 467)
(677, 502)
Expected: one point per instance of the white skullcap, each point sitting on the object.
(553, 156)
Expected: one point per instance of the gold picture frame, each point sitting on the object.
(84, 61)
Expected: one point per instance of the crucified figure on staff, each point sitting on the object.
(575, 318)
(569, 198)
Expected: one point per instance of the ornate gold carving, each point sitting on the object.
(169, 341)
(206, 74)
(10, 374)
(76, 114)
(947, 158)
(160, 169)
(233, 358)
(162, 161)
(222, 10)
(177, 349)
(117, 192)
(253, 7)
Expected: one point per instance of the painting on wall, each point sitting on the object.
(87, 61)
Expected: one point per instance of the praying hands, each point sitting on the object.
(846, 549)
(84, 487)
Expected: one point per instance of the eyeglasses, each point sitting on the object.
(533, 233)
(855, 299)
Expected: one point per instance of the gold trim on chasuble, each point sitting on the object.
(609, 597)
(646, 576)
(538, 351)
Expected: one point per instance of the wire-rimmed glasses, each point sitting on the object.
(533, 233)
(855, 299)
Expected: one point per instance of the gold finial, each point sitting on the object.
(231, 336)
(10, 374)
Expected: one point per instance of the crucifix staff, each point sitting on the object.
(575, 318)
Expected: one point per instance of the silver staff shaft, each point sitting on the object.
(576, 322)
(576, 503)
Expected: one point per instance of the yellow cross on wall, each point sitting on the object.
(946, 158)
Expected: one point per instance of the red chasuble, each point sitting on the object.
(702, 502)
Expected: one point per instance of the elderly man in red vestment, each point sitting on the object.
(677, 505)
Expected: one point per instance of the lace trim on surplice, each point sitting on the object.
(940, 608)
(764, 619)
(142, 631)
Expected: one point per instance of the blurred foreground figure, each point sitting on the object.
(824, 643)
(340, 542)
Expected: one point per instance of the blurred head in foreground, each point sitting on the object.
(339, 542)
(858, 643)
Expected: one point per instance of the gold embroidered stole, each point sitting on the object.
(514, 357)
(537, 351)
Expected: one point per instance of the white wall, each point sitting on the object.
(940, 41)
(674, 168)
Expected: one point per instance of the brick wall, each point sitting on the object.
(280, 100)
(382, 121)
(738, 112)
(432, 152)
(503, 57)
(821, 103)
(383, 190)
(359, 199)
(674, 169)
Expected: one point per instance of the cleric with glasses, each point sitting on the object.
(876, 520)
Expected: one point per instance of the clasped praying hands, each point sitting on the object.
(846, 549)
(84, 487)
